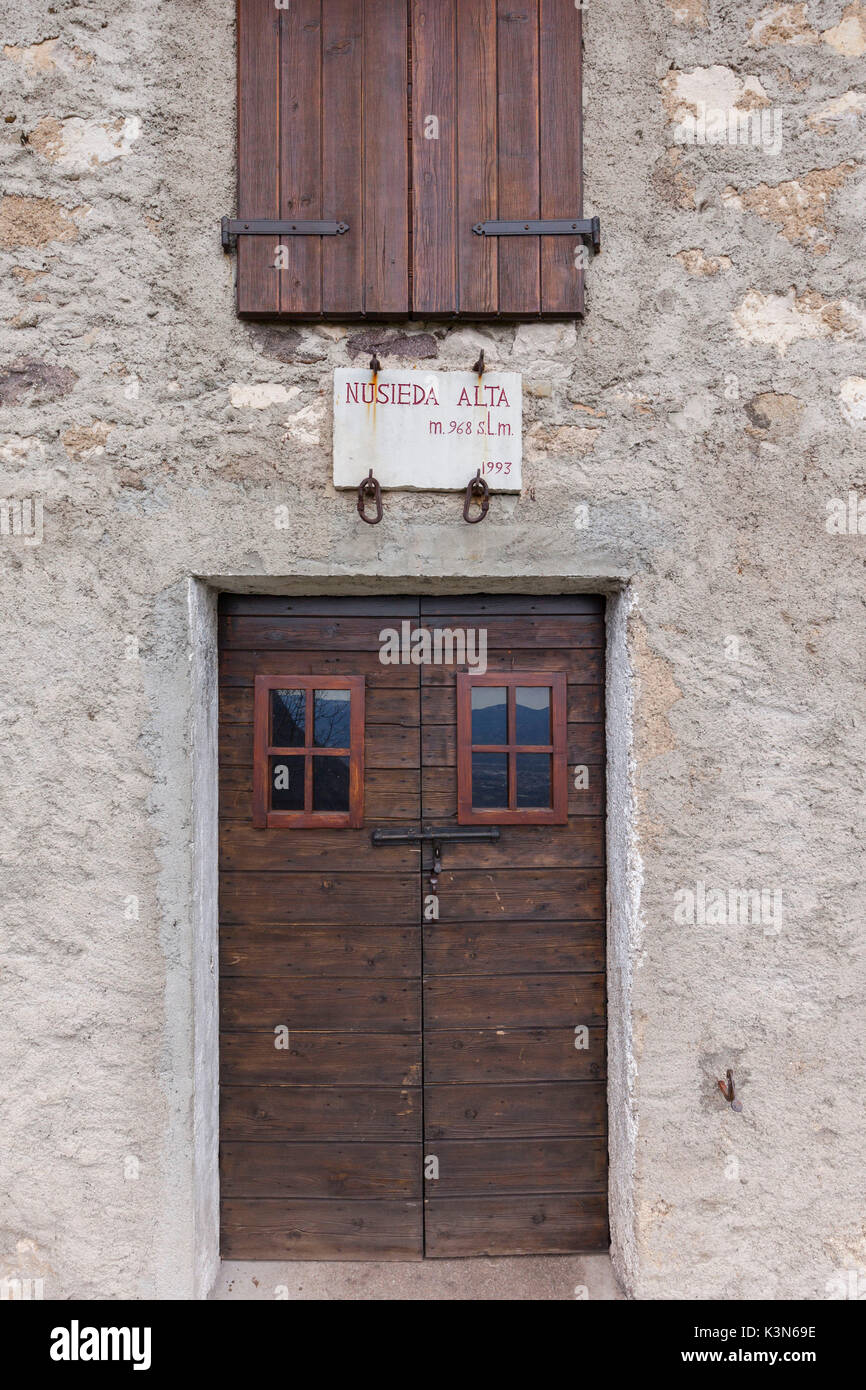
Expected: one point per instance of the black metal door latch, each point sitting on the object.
(589, 228)
(437, 836)
(233, 227)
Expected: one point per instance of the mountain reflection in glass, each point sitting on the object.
(331, 784)
(288, 713)
(489, 718)
(331, 718)
(287, 783)
(533, 780)
(489, 781)
(532, 714)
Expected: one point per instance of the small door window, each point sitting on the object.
(308, 766)
(512, 748)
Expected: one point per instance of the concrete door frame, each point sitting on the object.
(624, 878)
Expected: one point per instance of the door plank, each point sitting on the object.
(302, 1169)
(575, 632)
(315, 1230)
(438, 705)
(585, 744)
(385, 746)
(321, 1059)
(392, 794)
(547, 1109)
(555, 895)
(584, 667)
(249, 632)
(361, 952)
(390, 606)
(521, 1054)
(382, 1005)
(513, 948)
(439, 793)
(382, 706)
(549, 1225)
(244, 847)
(240, 667)
(513, 1001)
(312, 1112)
(511, 605)
(518, 1166)
(579, 844)
(308, 898)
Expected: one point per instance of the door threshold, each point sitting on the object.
(515, 1278)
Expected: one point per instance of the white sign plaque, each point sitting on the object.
(428, 430)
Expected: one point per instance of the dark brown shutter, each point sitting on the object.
(504, 79)
(322, 135)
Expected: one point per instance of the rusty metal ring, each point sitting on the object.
(476, 489)
(370, 488)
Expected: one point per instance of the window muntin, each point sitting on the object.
(512, 748)
(308, 762)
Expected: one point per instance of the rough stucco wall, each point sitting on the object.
(706, 412)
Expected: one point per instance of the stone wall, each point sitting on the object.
(706, 414)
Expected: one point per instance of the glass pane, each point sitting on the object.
(288, 711)
(533, 779)
(532, 714)
(330, 784)
(287, 783)
(489, 781)
(331, 718)
(489, 714)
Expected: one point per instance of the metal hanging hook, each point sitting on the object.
(479, 365)
(476, 491)
(375, 364)
(367, 489)
(729, 1092)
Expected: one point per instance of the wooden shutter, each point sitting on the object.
(327, 130)
(504, 79)
(322, 135)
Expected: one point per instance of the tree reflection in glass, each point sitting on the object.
(288, 715)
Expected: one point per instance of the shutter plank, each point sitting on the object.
(342, 155)
(258, 288)
(434, 31)
(477, 257)
(301, 154)
(519, 257)
(561, 152)
(386, 191)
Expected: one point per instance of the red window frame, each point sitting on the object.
(557, 812)
(264, 818)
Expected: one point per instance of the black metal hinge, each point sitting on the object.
(587, 227)
(233, 227)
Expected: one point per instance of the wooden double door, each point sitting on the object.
(412, 1047)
